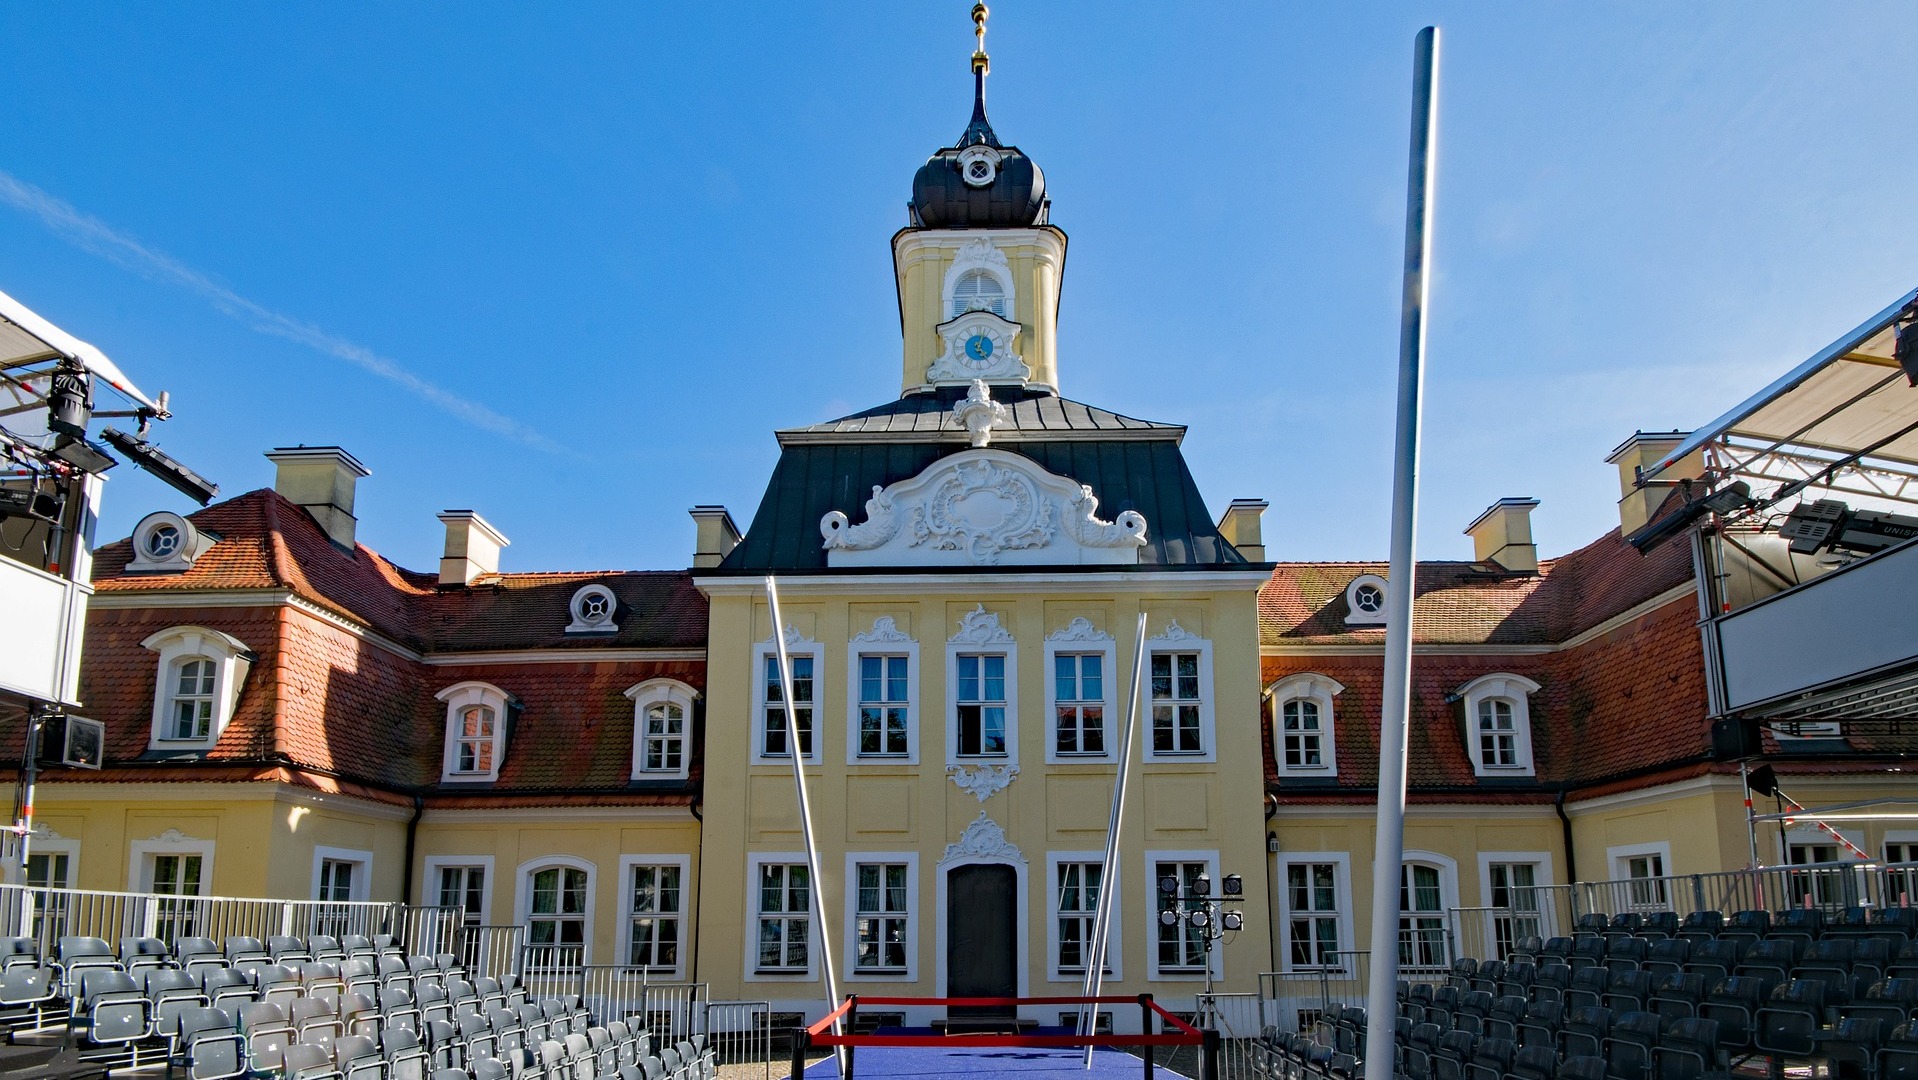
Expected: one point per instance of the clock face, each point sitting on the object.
(978, 348)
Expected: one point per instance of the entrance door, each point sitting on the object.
(982, 942)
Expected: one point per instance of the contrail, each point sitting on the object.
(96, 236)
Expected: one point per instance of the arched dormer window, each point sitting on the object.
(476, 717)
(978, 290)
(197, 687)
(1498, 724)
(1302, 732)
(662, 728)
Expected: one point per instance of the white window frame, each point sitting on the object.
(1546, 877)
(981, 634)
(685, 915)
(1515, 690)
(1618, 858)
(1177, 639)
(1907, 871)
(1319, 690)
(850, 945)
(523, 897)
(995, 265)
(661, 692)
(1358, 616)
(884, 639)
(1342, 887)
(1448, 882)
(1151, 867)
(460, 696)
(140, 855)
(360, 887)
(231, 660)
(1115, 923)
(1080, 637)
(753, 972)
(797, 645)
(430, 881)
(42, 842)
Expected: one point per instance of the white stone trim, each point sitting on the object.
(980, 633)
(979, 253)
(1320, 690)
(1515, 690)
(1150, 867)
(884, 639)
(653, 692)
(1357, 615)
(1080, 636)
(1177, 639)
(587, 621)
(1092, 582)
(459, 696)
(983, 843)
(849, 944)
(1115, 925)
(140, 855)
(523, 897)
(797, 645)
(362, 884)
(623, 901)
(1342, 889)
(430, 869)
(750, 935)
(1547, 876)
(232, 659)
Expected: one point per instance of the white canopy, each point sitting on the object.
(1848, 397)
(26, 339)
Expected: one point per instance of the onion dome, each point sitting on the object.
(978, 183)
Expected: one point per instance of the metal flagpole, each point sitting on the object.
(1108, 872)
(805, 814)
(1382, 996)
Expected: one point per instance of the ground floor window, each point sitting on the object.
(1312, 914)
(1421, 917)
(1901, 873)
(784, 905)
(49, 870)
(556, 915)
(174, 876)
(1078, 887)
(879, 917)
(654, 913)
(1515, 905)
(1181, 946)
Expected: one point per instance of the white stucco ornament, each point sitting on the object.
(983, 507)
(983, 841)
(978, 345)
(982, 782)
(979, 414)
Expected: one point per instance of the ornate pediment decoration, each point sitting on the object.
(794, 638)
(979, 414)
(982, 782)
(983, 507)
(1174, 632)
(980, 627)
(983, 841)
(978, 345)
(173, 836)
(1079, 629)
(884, 631)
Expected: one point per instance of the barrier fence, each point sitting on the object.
(46, 915)
(741, 1032)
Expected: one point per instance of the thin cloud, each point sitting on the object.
(96, 236)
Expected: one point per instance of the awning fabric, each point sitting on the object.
(26, 338)
(1848, 396)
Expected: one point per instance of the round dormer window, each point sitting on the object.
(1365, 601)
(166, 542)
(162, 541)
(593, 610)
(1368, 598)
(978, 166)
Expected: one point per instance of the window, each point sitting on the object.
(1365, 601)
(884, 672)
(594, 609)
(783, 910)
(556, 907)
(340, 875)
(655, 914)
(50, 869)
(1643, 869)
(476, 721)
(1421, 917)
(1513, 897)
(1498, 724)
(1901, 873)
(662, 723)
(1303, 743)
(1831, 877)
(198, 686)
(176, 867)
(981, 699)
(980, 669)
(1179, 948)
(771, 703)
(1312, 915)
(1079, 662)
(464, 887)
(879, 917)
(1179, 671)
(978, 290)
(457, 885)
(1077, 906)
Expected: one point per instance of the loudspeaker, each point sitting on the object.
(73, 741)
(1734, 739)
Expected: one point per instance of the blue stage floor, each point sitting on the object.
(1027, 1063)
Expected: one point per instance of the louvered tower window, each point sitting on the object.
(977, 290)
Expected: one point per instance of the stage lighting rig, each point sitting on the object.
(170, 472)
(1205, 913)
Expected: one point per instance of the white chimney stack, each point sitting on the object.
(1503, 535)
(472, 548)
(321, 480)
(714, 535)
(1242, 527)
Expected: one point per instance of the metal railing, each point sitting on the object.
(46, 915)
(741, 1032)
(1237, 1017)
(674, 1010)
(491, 951)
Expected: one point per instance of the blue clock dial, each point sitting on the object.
(979, 347)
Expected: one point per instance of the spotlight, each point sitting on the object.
(1168, 885)
(1168, 917)
(83, 455)
(1204, 884)
(1232, 920)
(169, 472)
(1234, 885)
(1199, 918)
(1762, 780)
(1729, 499)
(31, 504)
(70, 402)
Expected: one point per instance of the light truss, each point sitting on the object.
(1760, 462)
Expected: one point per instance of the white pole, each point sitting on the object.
(1109, 872)
(805, 810)
(1381, 1003)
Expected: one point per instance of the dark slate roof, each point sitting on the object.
(1035, 414)
(1149, 476)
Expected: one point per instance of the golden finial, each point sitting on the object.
(980, 63)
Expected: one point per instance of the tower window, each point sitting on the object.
(977, 290)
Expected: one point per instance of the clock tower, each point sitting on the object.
(978, 264)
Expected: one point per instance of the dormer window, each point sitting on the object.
(662, 728)
(1498, 724)
(978, 290)
(197, 687)
(167, 543)
(476, 715)
(594, 608)
(1302, 740)
(1365, 601)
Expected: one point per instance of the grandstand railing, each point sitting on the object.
(48, 914)
(493, 951)
(678, 1009)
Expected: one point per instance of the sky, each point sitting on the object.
(571, 265)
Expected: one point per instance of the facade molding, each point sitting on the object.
(992, 582)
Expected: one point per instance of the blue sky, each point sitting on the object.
(570, 265)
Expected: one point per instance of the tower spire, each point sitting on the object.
(979, 131)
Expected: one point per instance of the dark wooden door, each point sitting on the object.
(982, 945)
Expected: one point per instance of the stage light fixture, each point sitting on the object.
(1762, 780)
(1199, 918)
(1232, 920)
(1203, 885)
(169, 472)
(83, 455)
(1234, 885)
(1730, 499)
(70, 402)
(1168, 917)
(16, 502)
(1168, 885)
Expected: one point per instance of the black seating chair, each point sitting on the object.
(1584, 1031)
(1490, 1060)
(1592, 922)
(1528, 947)
(1851, 1048)
(1715, 959)
(1830, 961)
(1770, 960)
(1489, 974)
(1422, 1049)
(1625, 924)
(1588, 950)
(1870, 959)
(1678, 995)
(1462, 971)
(1667, 955)
(1550, 982)
(1557, 949)
(1502, 1022)
(1889, 1000)
(1622, 953)
(1583, 1067)
(1628, 1049)
(1734, 1004)
(1688, 1050)
(1896, 925)
(1804, 925)
(1628, 991)
(1473, 1007)
(1519, 977)
(1455, 1048)
(1790, 1019)
(1749, 927)
(1702, 926)
(1540, 1025)
(1898, 1058)
(1905, 964)
(1588, 988)
(213, 1048)
(1658, 925)
(1533, 1063)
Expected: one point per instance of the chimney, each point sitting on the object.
(1503, 535)
(1240, 527)
(472, 547)
(1644, 449)
(321, 480)
(714, 535)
